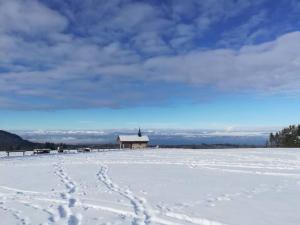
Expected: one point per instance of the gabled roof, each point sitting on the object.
(133, 138)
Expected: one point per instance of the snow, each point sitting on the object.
(154, 186)
(133, 138)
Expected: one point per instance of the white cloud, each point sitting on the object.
(150, 43)
(268, 67)
(30, 17)
(125, 50)
(133, 16)
(91, 78)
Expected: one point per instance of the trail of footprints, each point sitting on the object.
(15, 213)
(143, 214)
(141, 210)
(65, 211)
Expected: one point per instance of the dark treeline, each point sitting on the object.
(287, 137)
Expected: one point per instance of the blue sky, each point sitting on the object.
(93, 64)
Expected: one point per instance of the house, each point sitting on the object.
(133, 141)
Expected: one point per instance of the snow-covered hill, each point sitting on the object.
(157, 186)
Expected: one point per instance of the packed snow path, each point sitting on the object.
(158, 186)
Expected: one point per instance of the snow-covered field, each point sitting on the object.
(157, 186)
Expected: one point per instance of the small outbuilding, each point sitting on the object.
(133, 141)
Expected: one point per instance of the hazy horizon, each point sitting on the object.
(157, 136)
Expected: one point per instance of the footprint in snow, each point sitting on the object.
(72, 202)
(75, 219)
(63, 211)
(65, 195)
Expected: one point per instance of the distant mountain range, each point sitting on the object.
(157, 137)
(29, 140)
(9, 141)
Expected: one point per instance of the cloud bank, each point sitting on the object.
(90, 54)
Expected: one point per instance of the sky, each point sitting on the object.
(93, 64)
